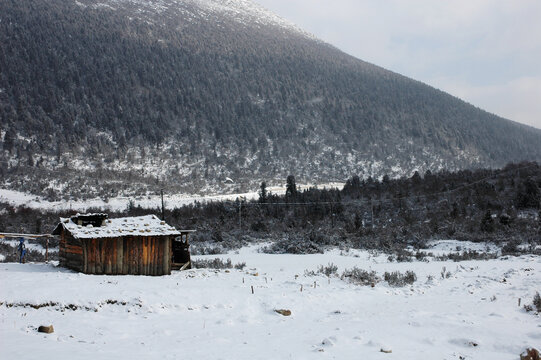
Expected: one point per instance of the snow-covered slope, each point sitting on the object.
(242, 11)
(206, 314)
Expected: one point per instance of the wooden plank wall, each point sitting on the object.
(135, 255)
(70, 252)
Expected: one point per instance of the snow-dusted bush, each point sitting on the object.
(397, 279)
(467, 255)
(537, 302)
(444, 273)
(216, 263)
(360, 277)
(202, 249)
(400, 255)
(328, 270)
(217, 242)
(293, 245)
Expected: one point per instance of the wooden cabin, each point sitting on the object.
(143, 245)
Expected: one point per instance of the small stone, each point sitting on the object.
(283, 312)
(46, 329)
(386, 350)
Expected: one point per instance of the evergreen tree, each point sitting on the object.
(416, 179)
(263, 192)
(487, 223)
(529, 194)
(291, 186)
(9, 140)
(30, 160)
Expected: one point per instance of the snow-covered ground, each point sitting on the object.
(206, 314)
(171, 201)
(445, 247)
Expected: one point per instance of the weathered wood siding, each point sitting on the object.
(129, 255)
(70, 252)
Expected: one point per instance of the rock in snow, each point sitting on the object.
(530, 354)
(46, 329)
(283, 312)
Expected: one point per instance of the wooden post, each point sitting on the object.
(47, 251)
(252, 289)
(163, 207)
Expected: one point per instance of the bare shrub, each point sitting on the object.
(216, 263)
(293, 245)
(444, 273)
(397, 279)
(329, 270)
(360, 277)
(467, 256)
(537, 302)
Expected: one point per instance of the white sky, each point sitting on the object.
(487, 52)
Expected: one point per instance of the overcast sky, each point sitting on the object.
(487, 52)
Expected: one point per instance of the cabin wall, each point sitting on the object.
(130, 255)
(70, 252)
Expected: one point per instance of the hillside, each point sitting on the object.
(122, 97)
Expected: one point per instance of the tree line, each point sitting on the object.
(496, 205)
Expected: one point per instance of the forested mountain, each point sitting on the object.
(119, 96)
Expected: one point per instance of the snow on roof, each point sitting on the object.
(149, 225)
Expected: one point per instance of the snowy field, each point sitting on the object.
(211, 314)
(171, 201)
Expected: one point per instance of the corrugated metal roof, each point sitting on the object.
(149, 225)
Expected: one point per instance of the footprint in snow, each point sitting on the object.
(467, 343)
(329, 341)
(534, 335)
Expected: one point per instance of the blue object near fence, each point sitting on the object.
(22, 250)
